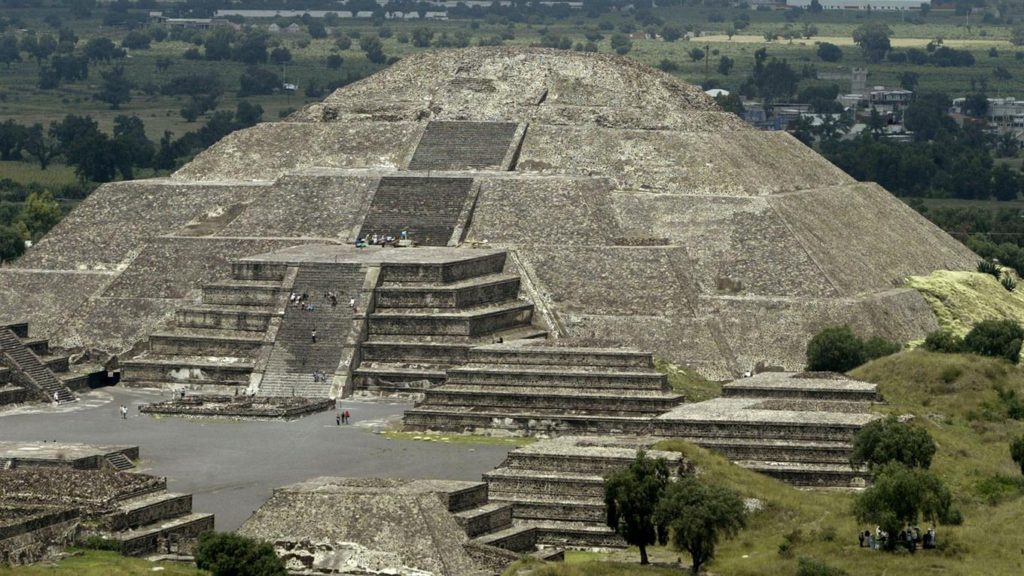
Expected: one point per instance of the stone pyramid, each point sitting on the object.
(635, 211)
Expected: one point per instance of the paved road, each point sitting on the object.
(232, 467)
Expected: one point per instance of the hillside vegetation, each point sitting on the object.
(956, 397)
(962, 299)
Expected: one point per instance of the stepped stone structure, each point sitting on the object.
(557, 485)
(387, 526)
(532, 387)
(629, 206)
(53, 494)
(29, 371)
(795, 427)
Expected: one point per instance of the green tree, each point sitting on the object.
(103, 49)
(280, 55)
(696, 54)
(908, 80)
(671, 32)
(901, 497)
(621, 44)
(39, 145)
(725, 65)
(9, 51)
(334, 61)
(40, 213)
(373, 48)
(888, 440)
(422, 36)
(997, 338)
(943, 341)
(698, 515)
(257, 81)
(116, 88)
(829, 52)
(1017, 451)
(12, 245)
(227, 554)
(631, 496)
(835, 349)
(873, 39)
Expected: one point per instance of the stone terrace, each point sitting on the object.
(78, 456)
(30, 370)
(557, 485)
(441, 527)
(133, 510)
(795, 427)
(537, 388)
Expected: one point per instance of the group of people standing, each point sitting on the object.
(908, 538)
(341, 417)
(381, 239)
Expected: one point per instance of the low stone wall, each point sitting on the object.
(94, 492)
(244, 407)
(31, 535)
(12, 394)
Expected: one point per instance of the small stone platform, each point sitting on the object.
(537, 388)
(240, 407)
(31, 371)
(77, 456)
(557, 485)
(378, 525)
(133, 510)
(795, 427)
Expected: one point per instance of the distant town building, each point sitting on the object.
(861, 4)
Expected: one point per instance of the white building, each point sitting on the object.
(862, 4)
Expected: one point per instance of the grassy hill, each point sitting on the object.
(956, 398)
(962, 299)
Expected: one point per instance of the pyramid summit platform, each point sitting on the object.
(631, 210)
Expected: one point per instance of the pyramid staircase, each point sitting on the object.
(427, 317)
(797, 429)
(295, 357)
(556, 486)
(28, 365)
(537, 388)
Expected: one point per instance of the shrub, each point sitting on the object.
(996, 338)
(901, 497)
(989, 267)
(1008, 282)
(1017, 451)
(838, 349)
(943, 341)
(812, 567)
(889, 440)
(224, 553)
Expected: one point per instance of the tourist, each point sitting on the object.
(861, 538)
(352, 304)
(313, 335)
(334, 300)
(56, 398)
(405, 235)
(345, 417)
(374, 241)
(337, 418)
(124, 412)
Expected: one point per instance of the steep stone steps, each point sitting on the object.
(29, 370)
(427, 208)
(296, 356)
(118, 461)
(460, 145)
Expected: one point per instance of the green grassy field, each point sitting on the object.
(25, 173)
(98, 563)
(21, 100)
(954, 397)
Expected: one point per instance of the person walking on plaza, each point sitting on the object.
(345, 417)
(124, 412)
(313, 335)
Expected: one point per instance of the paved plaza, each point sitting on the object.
(232, 467)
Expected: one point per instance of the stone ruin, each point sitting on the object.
(575, 216)
(30, 371)
(388, 526)
(630, 208)
(54, 495)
